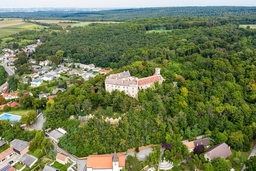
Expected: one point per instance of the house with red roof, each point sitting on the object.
(14, 104)
(131, 85)
(106, 162)
(8, 168)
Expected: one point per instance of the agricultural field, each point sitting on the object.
(13, 26)
(65, 23)
(252, 26)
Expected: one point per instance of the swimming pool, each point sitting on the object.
(11, 117)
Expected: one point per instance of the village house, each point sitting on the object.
(45, 63)
(131, 85)
(105, 71)
(10, 96)
(220, 150)
(50, 168)
(36, 82)
(28, 160)
(34, 75)
(43, 95)
(19, 146)
(192, 144)
(62, 158)
(8, 168)
(54, 135)
(106, 162)
(6, 154)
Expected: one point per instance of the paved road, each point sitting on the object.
(7, 68)
(80, 163)
(253, 153)
(38, 125)
(142, 154)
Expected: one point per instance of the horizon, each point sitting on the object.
(122, 4)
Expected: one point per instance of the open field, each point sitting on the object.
(13, 26)
(65, 23)
(159, 31)
(252, 26)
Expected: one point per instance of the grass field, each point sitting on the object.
(13, 26)
(18, 112)
(252, 26)
(65, 23)
(159, 31)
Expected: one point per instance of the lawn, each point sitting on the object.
(252, 26)
(60, 166)
(18, 165)
(17, 112)
(6, 146)
(37, 153)
(158, 31)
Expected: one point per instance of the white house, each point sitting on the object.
(36, 82)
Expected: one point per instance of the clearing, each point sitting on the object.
(252, 26)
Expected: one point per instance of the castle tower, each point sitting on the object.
(115, 162)
(157, 71)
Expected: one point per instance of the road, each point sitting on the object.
(80, 163)
(8, 70)
(253, 153)
(38, 125)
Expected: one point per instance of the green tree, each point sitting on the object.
(221, 164)
(13, 83)
(251, 164)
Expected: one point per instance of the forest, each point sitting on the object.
(211, 59)
(3, 75)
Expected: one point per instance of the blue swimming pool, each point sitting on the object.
(11, 117)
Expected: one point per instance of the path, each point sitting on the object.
(253, 153)
(8, 70)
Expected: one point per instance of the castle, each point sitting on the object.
(131, 85)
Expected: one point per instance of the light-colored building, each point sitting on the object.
(28, 160)
(131, 85)
(62, 158)
(106, 162)
(19, 146)
(36, 82)
(220, 150)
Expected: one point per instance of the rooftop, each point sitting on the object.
(50, 168)
(28, 159)
(19, 144)
(104, 161)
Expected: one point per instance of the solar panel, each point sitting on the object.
(6, 168)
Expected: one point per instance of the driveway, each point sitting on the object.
(253, 153)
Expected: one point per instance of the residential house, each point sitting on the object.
(8, 168)
(107, 162)
(97, 69)
(10, 96)
(45, 63)
(220, 150)
(36, 82)
(25, 80)
(14, 104)
(34, 75)
(54, 135)
(32, 61)
(19, 146)
(62, 158)
(192, 144)
(56, 90)
(2, 143)
(131, 85)
(28, 160)
(6, 154)
(44, 95)
(91, 66)
(105, 71)
(50, 168)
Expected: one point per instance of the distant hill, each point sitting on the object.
(126, 14)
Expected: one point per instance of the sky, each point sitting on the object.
(121, 3)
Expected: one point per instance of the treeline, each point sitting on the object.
(126, 14)
(3, 75)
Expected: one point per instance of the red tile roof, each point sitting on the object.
(5, 153)
(149, 80)
(104, 161)
(14, 104)
(7, 168)
(61, 157)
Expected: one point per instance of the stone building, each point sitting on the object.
(131, 85)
